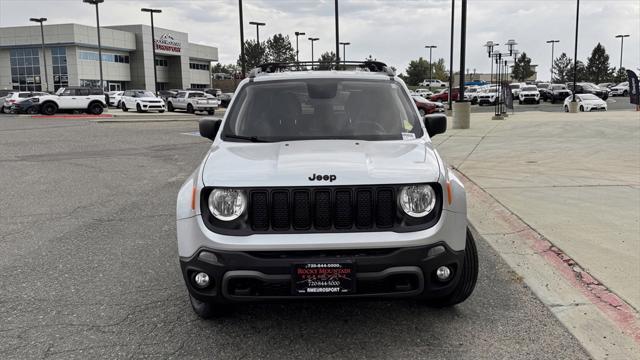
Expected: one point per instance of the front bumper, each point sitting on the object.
(205, 107)
(267, 275)
(531, 100)
(152, 106)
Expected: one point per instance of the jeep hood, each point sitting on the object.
(292, 163)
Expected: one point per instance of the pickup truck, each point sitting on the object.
(91, 100)
(193, 101)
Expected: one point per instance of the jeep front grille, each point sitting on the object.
(321, 209)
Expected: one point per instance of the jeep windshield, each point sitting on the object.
(312, 109)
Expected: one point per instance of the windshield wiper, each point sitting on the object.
(248, 138)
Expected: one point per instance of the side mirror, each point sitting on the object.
(209, 127)
(435, 124)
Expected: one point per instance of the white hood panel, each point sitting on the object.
(240, 164)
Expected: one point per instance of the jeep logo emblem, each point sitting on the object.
(318, 177)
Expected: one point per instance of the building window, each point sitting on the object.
(90, 83)
(93, 56)
(25, 69)
(162, 62)
(199, 86)
(162, 86)
(197, 66)
(60, 71)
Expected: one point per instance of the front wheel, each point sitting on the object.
(124, 107)
(581, 108)
(468, 277)
(48, 108)
(566, 108)
(32, 110)
(95, 109)
(210, 112)
(170, 107)
(190, 109)
(538, 102)
(160, 111)
(139, 108)
(625, 93)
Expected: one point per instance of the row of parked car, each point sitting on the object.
(95, 101)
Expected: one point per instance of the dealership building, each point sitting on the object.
(71, 54)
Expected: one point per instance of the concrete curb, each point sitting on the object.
(607, 326)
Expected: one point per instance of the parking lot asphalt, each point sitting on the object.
(90, 268)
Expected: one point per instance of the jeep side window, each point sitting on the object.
(68, 92)
(180, 94)
(82, 92)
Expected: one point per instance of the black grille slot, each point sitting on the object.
(280, 210)
(301, 210)
(343, 218)
(322, 209)
(364, 209)
(385, 209)
(259, 211)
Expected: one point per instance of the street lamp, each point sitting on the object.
(44, 56)
(153, 45)
(344, 52)
(243, 65)
(96, 2)
(621, 46)
(490, 45)
(312, 39)
(552, 42)
(337, 35)
(510, 45)
(453, 7)
(574, 105)
(258, 24)
(298, 33)
(430, 47)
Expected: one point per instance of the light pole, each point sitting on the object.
(344, 52)
(510, 45)
(490, 45)
(153, 45)
(430, 47)
(298, 33)
(453, 7)
(461, 109)
(258, 24)
(552, 42)
(96, 2)
(575, 57)
(44, 56)
(312, 39)
(621, 46)
(337, 36)
(243, 64)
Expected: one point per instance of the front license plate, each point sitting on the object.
(324, 278)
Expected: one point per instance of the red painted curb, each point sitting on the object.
(623, 315)
(71, 116)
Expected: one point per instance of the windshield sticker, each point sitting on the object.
(408, 136)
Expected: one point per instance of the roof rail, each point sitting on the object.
(370, 66)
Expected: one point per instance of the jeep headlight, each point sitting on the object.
(227, 204)
(417, 200)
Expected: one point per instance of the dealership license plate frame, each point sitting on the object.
(319, 278)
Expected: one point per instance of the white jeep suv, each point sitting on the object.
(141, 101)
(91, 100)
(323, 184)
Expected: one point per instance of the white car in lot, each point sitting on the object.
(114, 98)
(529, 94)
(193, 101)
(141, 101)
(15, 97)
(621, 89)
(586, 102)
(425, 93)
(488, 96)
(433, 83)
(79, 98)
(323, 184)
(515, 89)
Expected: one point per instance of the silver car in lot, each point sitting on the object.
(323, 184)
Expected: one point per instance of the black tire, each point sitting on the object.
(124, 107)
(118, 105)
(519, 102)
(170, 107)
(48, 108)
(625, 93)
(468, 277)
(538, 101)
(207, 310)
(566, 108)
(190, 109)
(32, 110)
(160, 111)
(138, 108)
(581, 108)
(553, 100)
(95, 108)
(211, 112)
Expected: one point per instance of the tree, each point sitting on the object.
(418, 70)
(621, 75)
(598, 69)
(561, 67)
(522, 69)
(218, 68)
(327, 60)
(254, 54)
(581, 72)
(440, 70)
(279, 49)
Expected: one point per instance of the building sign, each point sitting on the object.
(166, 42)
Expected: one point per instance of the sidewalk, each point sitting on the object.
(565, 184)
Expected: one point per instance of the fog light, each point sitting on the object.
(442, 273)
(202, 280)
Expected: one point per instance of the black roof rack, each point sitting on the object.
(370, 66)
